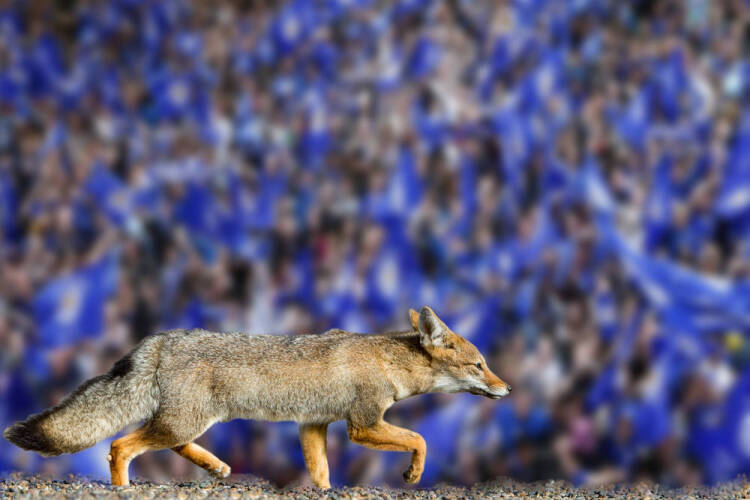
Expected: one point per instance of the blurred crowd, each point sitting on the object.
(291, 167)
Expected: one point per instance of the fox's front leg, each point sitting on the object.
(203, 458)
(312, 437)
(384, 436)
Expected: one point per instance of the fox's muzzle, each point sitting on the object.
(493, 386)
(492, 393)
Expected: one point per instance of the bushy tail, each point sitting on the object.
(97, 409)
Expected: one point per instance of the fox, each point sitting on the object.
(179, 383)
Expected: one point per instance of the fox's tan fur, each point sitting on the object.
(181, 383)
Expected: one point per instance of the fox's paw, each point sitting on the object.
(412, 476)
(323, 485)
(223, 471)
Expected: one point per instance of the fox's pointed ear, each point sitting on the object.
(432, 332)
(414, 319)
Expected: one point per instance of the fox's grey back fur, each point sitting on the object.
(303, 378)
(184, 382)
(97, 409)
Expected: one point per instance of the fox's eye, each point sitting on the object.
(478, 365)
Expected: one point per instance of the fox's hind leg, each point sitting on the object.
(156, 435)
(126, 448)
(384, 436)
(312, 437)
(203, 458)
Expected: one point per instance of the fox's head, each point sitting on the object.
(458, 365)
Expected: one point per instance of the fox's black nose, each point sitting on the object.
(510, 388)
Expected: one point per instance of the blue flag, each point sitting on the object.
(689, 301)
(110, 194)
(405, 185)
(71, 307)
(734, 197)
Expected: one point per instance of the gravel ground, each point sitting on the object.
(20, 486)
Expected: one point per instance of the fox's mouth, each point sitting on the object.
(487, 394)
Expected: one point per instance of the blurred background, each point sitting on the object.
(566, 183)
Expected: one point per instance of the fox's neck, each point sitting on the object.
(410, 371)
